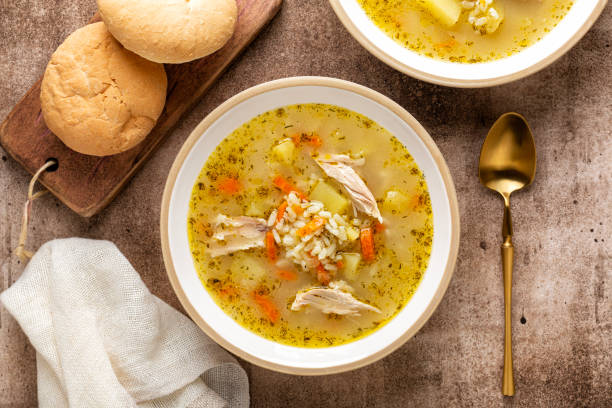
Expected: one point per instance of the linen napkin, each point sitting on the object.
(103, 340)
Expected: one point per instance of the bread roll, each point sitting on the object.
(170, 31)
(99, 98)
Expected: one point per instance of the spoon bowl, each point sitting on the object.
(507, 163)
(508, 155)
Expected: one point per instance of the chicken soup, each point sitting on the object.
(310, 225)
(467, 31)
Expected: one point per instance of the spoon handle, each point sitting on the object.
(507, 254)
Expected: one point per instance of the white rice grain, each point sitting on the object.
(330, 267)
(481, 21)
(272, 218)
(333, 223)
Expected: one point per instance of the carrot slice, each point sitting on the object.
(228, 291)
(367, 244)
(229, 185)
(286, 275)
(281, 212)
(267, 306)
(315, 141)
(297, 209)
(379, 227)
(286, 187)
(448, 44)
(323, 275)
(340, 264)
(418, 201)
(311, 226)
(270, 246)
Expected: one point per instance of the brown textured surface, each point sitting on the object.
(88, 183)
(562, 222)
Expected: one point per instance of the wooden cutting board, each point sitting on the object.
(87, 184)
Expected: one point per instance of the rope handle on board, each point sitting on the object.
(20, 251)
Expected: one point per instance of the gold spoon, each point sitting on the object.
(507, 163)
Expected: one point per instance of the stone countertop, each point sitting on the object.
(561, 310)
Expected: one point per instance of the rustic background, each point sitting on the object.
(562, 310)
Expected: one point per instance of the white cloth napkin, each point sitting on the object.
(103, 340)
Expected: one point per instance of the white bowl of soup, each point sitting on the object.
(468, 43)
(309, 225)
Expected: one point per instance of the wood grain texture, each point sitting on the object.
(87, 184)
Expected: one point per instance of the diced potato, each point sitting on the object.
(445, 11)
(247, 271)
(257, 208)
(329, 196)
(396, 201)
(352, 233)
(351, 262)
(284, 151)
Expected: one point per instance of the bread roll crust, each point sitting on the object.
(99, 98)
(170, 31)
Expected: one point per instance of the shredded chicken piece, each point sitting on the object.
(338, 167)
(332, 299)
(236, 234)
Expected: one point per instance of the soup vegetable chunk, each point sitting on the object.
(467, 31)
(310, 225)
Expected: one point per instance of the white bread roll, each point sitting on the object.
(170, 31)
(99, 98)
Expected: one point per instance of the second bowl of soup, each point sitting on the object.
(468, 43)
(309, 225)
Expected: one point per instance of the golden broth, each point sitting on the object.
(525, 22)
(402, 248)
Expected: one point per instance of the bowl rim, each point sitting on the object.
(297, 82)
(457, 82)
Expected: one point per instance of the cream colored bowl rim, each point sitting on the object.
(419, 73)
(297, 82)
